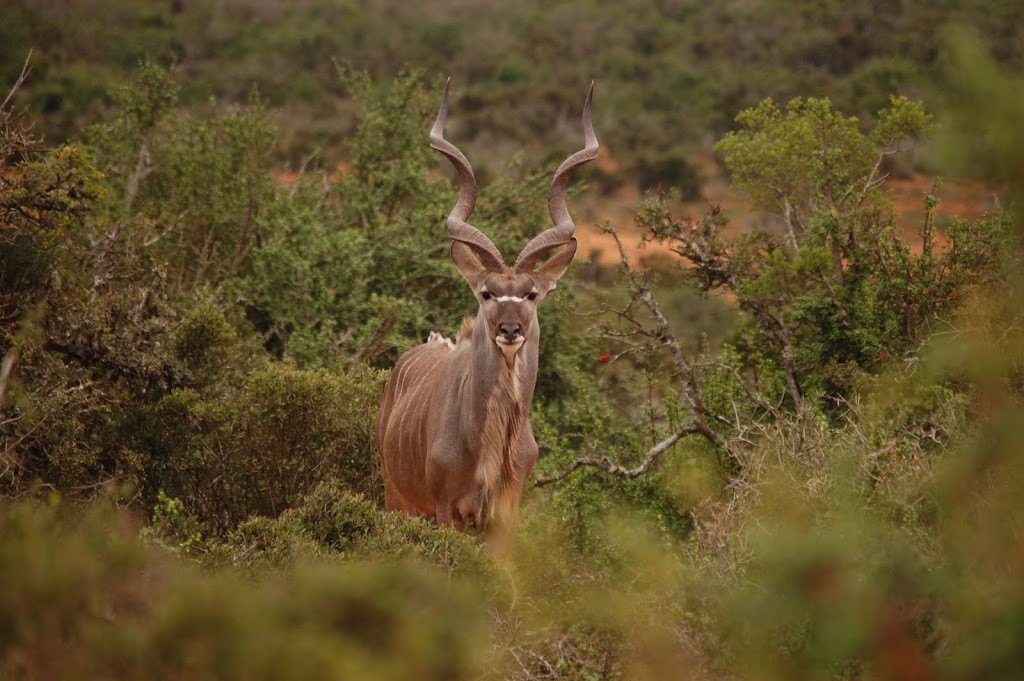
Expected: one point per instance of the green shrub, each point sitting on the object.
(198, 184)
(204, 341)
(356, 268)
(172, 528)
(256, 446)
(332, 521)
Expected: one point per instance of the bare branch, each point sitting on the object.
(640, 290)
(606, 464)
(373, 348)
(778, 330)
(874, 180)
(791, 223)
(143, 167)
(25, 70)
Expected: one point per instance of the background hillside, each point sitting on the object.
(672, 74)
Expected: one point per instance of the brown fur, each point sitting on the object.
(466, 331)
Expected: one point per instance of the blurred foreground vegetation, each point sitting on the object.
(192, 356)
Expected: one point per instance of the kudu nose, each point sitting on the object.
(509, 331)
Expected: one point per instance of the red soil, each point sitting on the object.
(956, 199)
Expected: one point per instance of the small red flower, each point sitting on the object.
(604, 359)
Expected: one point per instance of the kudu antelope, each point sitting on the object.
(454, 431)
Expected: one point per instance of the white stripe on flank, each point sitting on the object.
(404, 373)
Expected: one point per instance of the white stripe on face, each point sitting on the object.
(509, 299)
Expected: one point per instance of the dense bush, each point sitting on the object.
(165, 258)
(257, 446)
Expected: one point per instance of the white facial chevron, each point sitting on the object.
(509, 299)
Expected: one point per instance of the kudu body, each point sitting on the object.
(454, 431)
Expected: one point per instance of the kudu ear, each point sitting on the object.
(554, 267)
(467, 262)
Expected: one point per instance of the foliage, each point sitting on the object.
(823, 553)
(86, 599)
(333, 521)
(172, 527)
(41, 197)
(987, 150)
(320, 284)
(843, 290)
(196, 187)
(163, 279)
(831, 493)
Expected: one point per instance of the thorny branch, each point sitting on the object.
(660, 335)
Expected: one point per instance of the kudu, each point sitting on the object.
(454, 431)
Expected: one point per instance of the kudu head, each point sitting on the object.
(508, 296)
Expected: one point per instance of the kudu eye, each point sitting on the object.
(486, 295)
(532, 295)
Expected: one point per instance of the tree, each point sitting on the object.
(824, 303)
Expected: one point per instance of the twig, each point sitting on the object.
(640, 290)
(609, 466)
(143, 168)
(6, 369)
(25, 70)
(372, 348)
